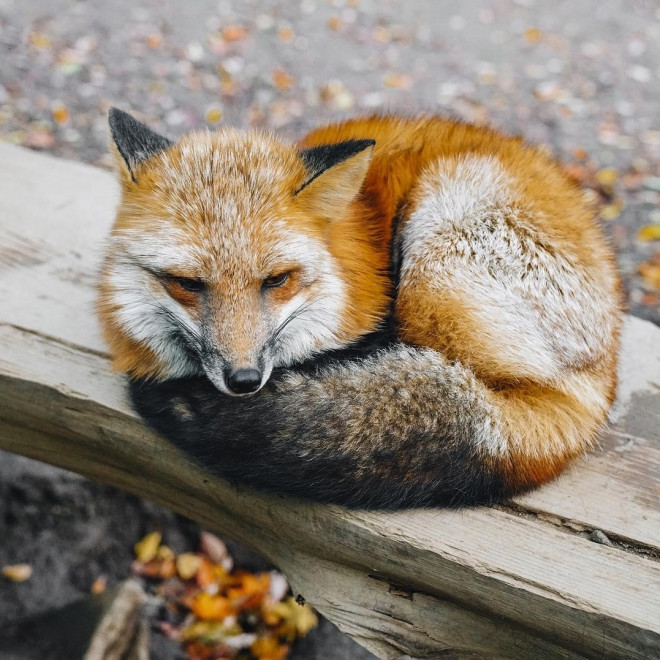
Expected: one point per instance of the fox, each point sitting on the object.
(392, 312)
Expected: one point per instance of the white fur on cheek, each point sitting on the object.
(145, 314)
(318, 313)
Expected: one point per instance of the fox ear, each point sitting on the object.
(135, 142)
(336, 174)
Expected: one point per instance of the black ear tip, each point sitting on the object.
(117, 118)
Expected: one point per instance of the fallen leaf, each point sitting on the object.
(60, 114)
(397, 81)
(649, 233)
(17, 572)
(39, 139)
(146, 549)
(286, 35)
(278, 586)
(212, 608)
(155, 40)
(165, 552)
(650, 272)
(283, 80)
(612, 211)
(215, 549)
(577, 172)
(297, 620)
(234, 33)
(187, 565)
(269, 648)
(213, 115)
(532, 35)
(99, 585)
(40, 40)
(607, 177)
(249, 590)
(580, 154)
(382, 34)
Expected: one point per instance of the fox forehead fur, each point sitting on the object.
(230, 210)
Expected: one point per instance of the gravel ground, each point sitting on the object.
(581, 78)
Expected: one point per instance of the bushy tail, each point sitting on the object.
(400, 428)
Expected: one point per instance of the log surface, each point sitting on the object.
(568, 571)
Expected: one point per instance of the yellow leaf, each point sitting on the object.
(607, 176)
(213, 115)
(649, 233)
(187, 565)
(297, 619)
(650, 273)
(146, 549)
(612, 211)
(286, 34)
(532, 35)
(17, 572)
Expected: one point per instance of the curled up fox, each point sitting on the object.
(392, 312)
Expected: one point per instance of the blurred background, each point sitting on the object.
(582, 79)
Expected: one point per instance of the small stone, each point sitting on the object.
(599, 537)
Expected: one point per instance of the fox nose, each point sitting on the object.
(244, 381)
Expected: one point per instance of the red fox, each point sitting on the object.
(393, 312)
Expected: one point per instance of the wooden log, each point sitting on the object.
(515, 581)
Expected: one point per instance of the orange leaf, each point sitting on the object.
(269, 648)
(282, 80)
(286, 34)
(234, 33)
(650, 273)
(211, 608)
(17, 572)
(98, 586)
(60, 114)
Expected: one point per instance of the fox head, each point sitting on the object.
(232, 253)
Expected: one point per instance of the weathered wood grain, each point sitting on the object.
(510, 582)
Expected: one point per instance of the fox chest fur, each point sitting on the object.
(236, 256)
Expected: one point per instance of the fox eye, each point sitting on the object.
(274, 281)
(189, 284)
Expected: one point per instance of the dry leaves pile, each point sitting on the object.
(216, 612)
